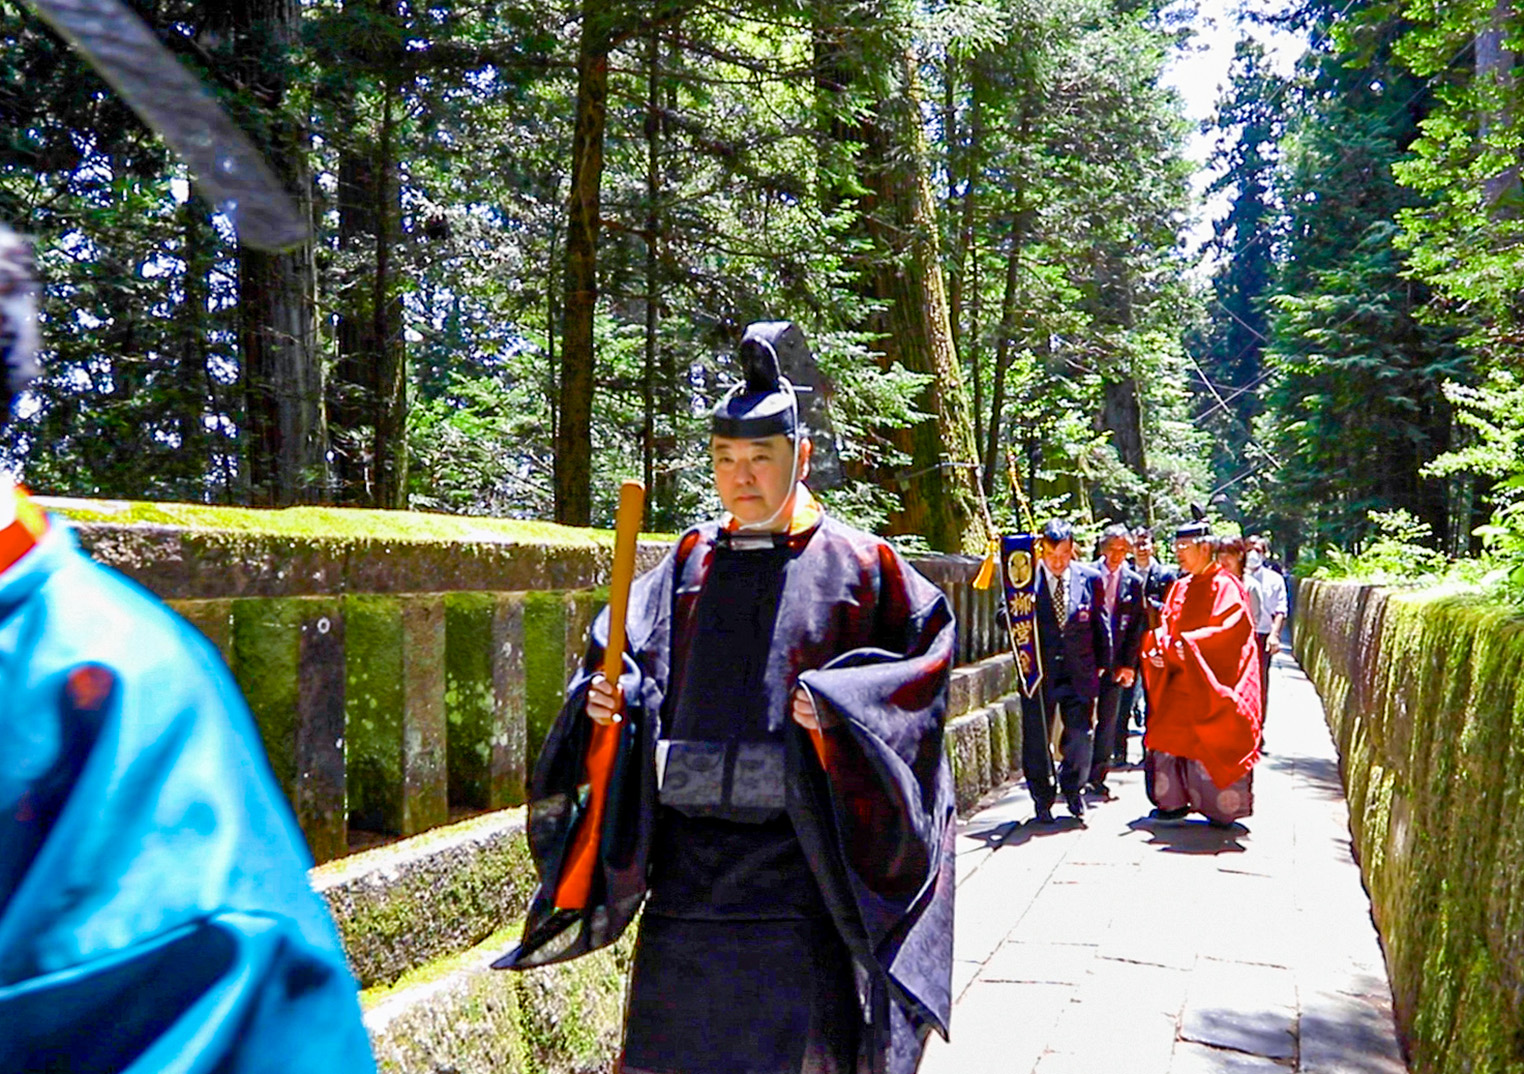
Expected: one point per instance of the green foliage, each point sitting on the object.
(1354, 406)
(1060, 160)
(730, 194)
(1400, 552)
(1494, 412)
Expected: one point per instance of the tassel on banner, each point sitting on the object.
(986, 576)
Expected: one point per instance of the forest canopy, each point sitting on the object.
(538, 230)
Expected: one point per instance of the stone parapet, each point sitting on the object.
(400, 907)
(1422, 694)
(411, 912)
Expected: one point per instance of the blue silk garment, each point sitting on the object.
(155, 913)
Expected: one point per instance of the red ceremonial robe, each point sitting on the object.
(1204, 701)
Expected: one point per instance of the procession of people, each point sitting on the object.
(760, 780)
(1198, 639)
(778, 813)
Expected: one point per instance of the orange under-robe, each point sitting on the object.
(1204, 701)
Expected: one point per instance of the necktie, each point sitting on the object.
(1113, 579)
(1059, 594)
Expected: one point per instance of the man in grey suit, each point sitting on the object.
(1076, 649)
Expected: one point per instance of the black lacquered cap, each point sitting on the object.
(764, 404)
(1196, 527)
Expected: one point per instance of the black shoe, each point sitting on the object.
(1044, 815)
(1100, 790)
(1169, 816)
(1119, 761)
(1076, 804)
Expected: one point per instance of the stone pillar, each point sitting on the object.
(266, 650)
(469, 697)
(425, 769)
(508, 765)
(373, 676)
(544, 622)
(214, 618)
(395, 709)
(484, 698)
(319, 798)
(288, 659)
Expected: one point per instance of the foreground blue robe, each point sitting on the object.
(155, 913)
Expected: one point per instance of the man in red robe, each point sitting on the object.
(1203, 679)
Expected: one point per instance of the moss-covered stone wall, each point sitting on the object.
(1423, 694)
(198, 552)
(422, 919)
(400, 664)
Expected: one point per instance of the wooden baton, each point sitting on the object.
(575, 884)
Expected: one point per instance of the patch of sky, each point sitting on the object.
(1198, 72)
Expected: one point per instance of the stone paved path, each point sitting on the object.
(1121, 948)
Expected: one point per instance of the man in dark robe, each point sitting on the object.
(781, 801)
(1076, 648)
(155, 912)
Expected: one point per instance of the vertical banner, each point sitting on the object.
(1018, 561)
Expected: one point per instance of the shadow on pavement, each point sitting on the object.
(1191, 836)
(1319, 774)
(1013, 833)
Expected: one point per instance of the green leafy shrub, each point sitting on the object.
(1400, 553)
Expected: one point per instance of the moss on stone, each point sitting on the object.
(213, 618)
(373, 703)
(574, 1011)
(1432, 750)
(266, 650)
(329, 522)
(1000, 745)
(544, 665)
(469, 699)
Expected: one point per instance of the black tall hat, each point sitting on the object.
(1196, 527)
(764, 404)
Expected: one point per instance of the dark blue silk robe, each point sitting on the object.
(873, 643)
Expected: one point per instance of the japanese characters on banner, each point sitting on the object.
(1018, 562)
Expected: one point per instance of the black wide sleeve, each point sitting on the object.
(559, 793)
(890, 786)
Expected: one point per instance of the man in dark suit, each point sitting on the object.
(1157, 578)
(1076, 649)
(1122, 594)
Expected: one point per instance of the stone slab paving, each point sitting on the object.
(1121, 947)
